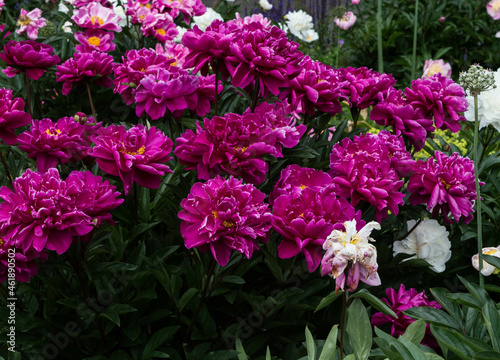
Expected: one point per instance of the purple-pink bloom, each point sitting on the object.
(171, 50)
(25, 264)
(393, 110)
(223, 215)
(93, 67)
(137, 154)
(233, 143)
(51, 143)
(12, 116)
(306, 213)
(81, 3)
(136, 65)
(30, 22)
(402, 301)
(432, 67)
(263, 57)
(364, 171)
(316, 88)
(346, 21)
(446, 184)
(159, 26)
(493, 9)
(29, 57)
(96, 16)
(173, 89)
(94, 40)
(439, 97)
(362, 85)
(38, 214)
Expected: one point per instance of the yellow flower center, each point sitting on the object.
(240, 148)
(302, 186)
(148, 5)
(434, 69)
(143, 69)
(93, 19)
(490, 252)
(228, 224)
(140, 151)
(215, 214)
(23, 20)
(495, 5)
(94, 41)
(141, 17)
(53, 132)
(445, 184)
(161, 32)
(2, 242)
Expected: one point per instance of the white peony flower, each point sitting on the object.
(429, 242)
(265, 4)
(310, 36)
(299, 23)
(488, 105)
(62, 8)
(206, 19)
(182, 31)
(67, 27)
(487, 268)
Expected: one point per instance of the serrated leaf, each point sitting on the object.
(310, 345)
(330, 346)
(375, 302)
(359, 329)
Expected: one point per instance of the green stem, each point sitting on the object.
(342, 323)
(478, 193)
(91, 102)
(414, 53)
(379, 37)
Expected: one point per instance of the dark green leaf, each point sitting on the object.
(487, 355)
(415, 332)
(330, 346)
(186, 297)
(310, 345)
(157, 339)
(433, 316)
(492, 321)
(375, 302)
(359, 329)
(327, 300)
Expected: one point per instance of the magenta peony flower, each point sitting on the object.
(85, 67)
(394, 111)
(93, 195)
(364, 171)
(159, 26)
(50, 143)
(174, 51)
(96, 16)
(283, 123)
(188, 8)
(346, 21)
(173, 89)
(316, 88)
(402, 301)
(30, 22)
(363, 85)
(29, 57)
(81, 3)
(446, 185)
(12, 116)
(25, 265)
(137, 154)
(38, 215)
(233, 143)
(306, 218)
(439, 97)
(264, 55)
(94, 40)
(223, 215)
(136, 65)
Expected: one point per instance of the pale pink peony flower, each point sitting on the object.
(493, 9)
(432, 67)
(96, 16)
(346, 21)
(30, 22)
(355, 2)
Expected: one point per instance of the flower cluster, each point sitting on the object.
(52, 142)
(44, 212)
(402, 301)
(446, 184)
(137, 154)
(223, 215)
(236, 143)
(427, 241)
(351, 250)
(368, 168)
(12, 116)
(29, 57)
(306, 210)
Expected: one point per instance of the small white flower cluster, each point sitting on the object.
(301, 25)
(429, 242)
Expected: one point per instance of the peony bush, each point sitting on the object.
(186, 182)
